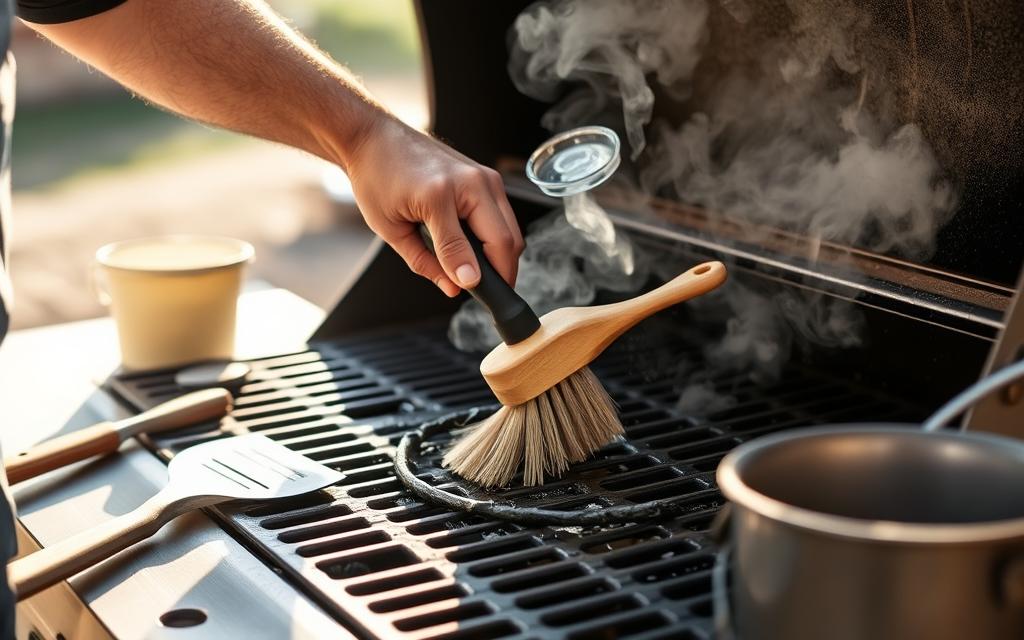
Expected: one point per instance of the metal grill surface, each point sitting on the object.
(389, 566)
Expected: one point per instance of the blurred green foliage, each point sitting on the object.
(379, 36)
(78, 139)
(73, 140)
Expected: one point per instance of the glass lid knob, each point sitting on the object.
(574, 161)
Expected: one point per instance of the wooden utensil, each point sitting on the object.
(555, 412)
(106, 437)
(570, 338)
(249, 467)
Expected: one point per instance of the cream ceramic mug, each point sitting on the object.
(173, 298)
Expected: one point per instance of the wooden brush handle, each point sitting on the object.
(569, 338)
(697, 281)
(99, 439)
(106, 437)
(191, 408)
(50, 565)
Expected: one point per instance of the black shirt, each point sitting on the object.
(40, 12)
(57, 11)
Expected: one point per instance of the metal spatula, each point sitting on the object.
(249, 467)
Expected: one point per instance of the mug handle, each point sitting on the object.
(97, 282)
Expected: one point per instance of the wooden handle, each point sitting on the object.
(570, 338)
(53, 454)
(697, 281)
(50, 565)
(191, 408)
(106, 437)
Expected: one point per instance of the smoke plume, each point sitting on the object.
(842, 180)
(610, 47)
(782, 135)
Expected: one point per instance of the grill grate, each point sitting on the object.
(389, 565)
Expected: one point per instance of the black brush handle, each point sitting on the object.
(512, 316)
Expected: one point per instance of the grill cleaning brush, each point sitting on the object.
(555, 411)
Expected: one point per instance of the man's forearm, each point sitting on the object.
(236, 64)
(230, 63)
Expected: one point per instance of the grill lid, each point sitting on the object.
(953, 71)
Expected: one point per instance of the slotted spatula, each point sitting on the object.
(249, 467)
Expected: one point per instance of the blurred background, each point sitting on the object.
(92, 165)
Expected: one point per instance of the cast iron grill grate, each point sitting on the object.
(389, 565)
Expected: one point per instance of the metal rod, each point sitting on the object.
(963, 304)
(963, 401)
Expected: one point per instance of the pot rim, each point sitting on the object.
(881, 531)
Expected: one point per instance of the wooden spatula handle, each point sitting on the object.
(191, 408)
(50, 565)
(53, 454)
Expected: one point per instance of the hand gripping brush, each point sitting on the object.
(249, 467)
(555, 411)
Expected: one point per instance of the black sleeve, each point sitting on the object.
(57, 11)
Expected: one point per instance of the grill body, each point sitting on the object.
(384, 564)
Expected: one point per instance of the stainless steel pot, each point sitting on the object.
(874, 532)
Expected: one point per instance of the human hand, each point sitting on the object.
(402, 178)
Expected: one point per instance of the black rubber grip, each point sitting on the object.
(512, 316)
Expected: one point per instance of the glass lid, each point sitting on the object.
(574, 161)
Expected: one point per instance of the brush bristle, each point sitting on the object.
(545, 435)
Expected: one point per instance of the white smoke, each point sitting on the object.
(701, 397)
(569, 256)
(839, 180)
(612, 47)
(762, 325)
(782, 137)
(611, 263)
